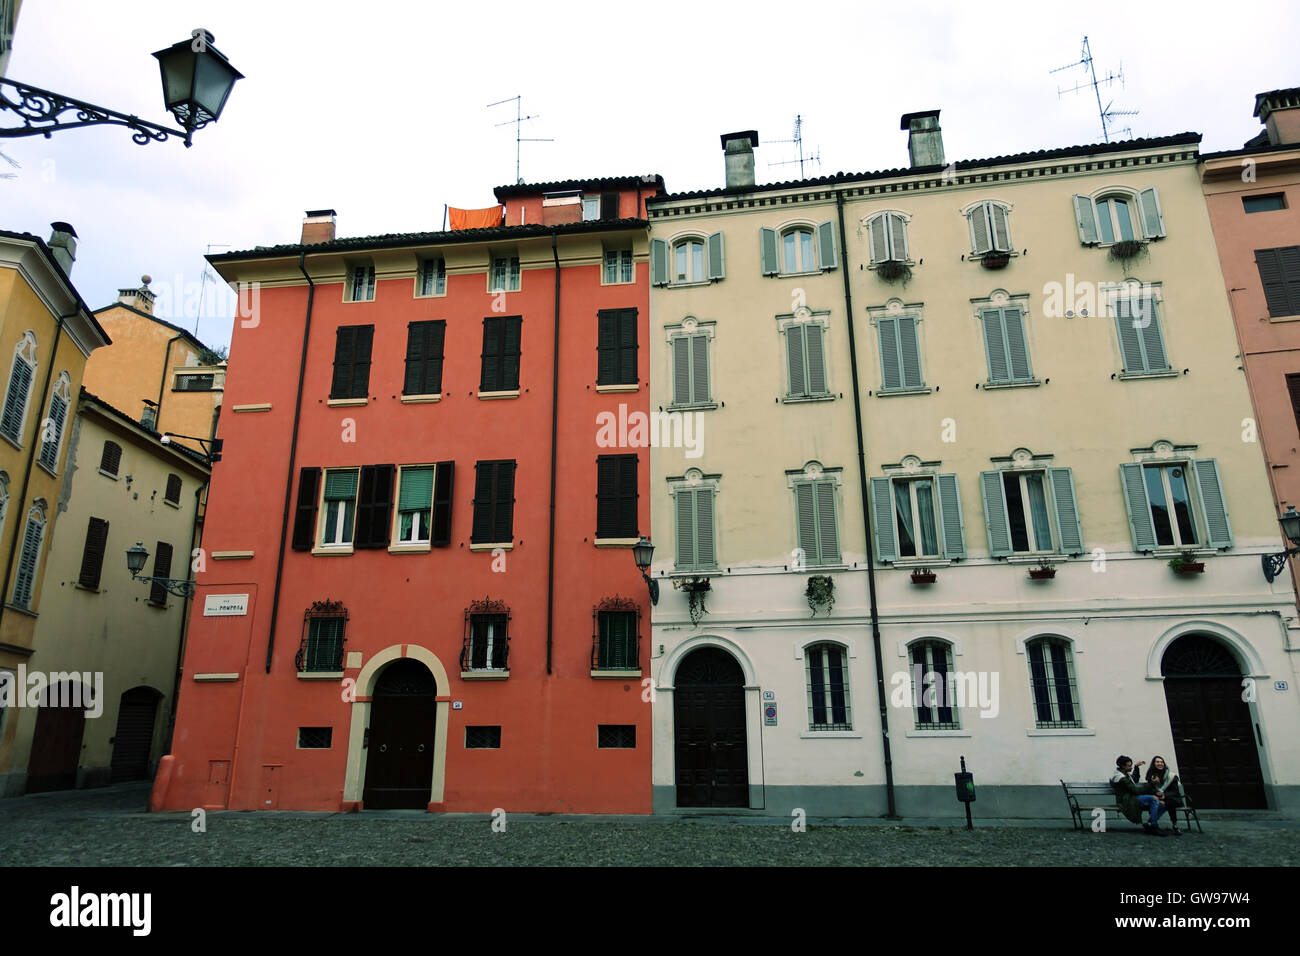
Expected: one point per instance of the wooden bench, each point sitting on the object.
(1088, 796)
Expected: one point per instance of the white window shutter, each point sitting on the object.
(767, 251)
(717, 265)
(998, 227)
(1138, 505)
(897, 238)
(995, 514)
(882, 519)
(1085, 217)
(878, 238)
(979, 230)
(826, 251)
(1153, 221)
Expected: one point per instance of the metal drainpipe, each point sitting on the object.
(555, 408)
(31, 460)
(162, 384)
(185, 619)
(866, 519)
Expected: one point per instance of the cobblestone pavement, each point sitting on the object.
(107, 827)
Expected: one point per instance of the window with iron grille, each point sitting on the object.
(828, 688)
(323, 635)
(194, 383)
(361, 288)
(616, 736)
(173, 492)
(616, 643)
(932, 690)
(1051, 681)
(487, 642)
(505, 274)
(483, 738)
(315, 738)
(111, 459)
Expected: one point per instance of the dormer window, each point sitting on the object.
(505, 274)
(433, 277)
(361, 283)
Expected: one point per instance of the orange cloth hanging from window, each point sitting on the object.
(488, 218)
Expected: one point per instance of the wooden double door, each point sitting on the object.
(56, 744)
(400, 738)
(712, 759)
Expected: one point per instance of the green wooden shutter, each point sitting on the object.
(606, 348)
(704, 540)
(1001, 238)
(490, 376)
(1214, 506)
(607, 467)
(891, 375)
(897, 237)
(1138, 505)
(416, 493)
(510, 352)
(92, 558)
(1279, 274)
(795, 362)
(304, 519)
(25, 581)
(979, 230)
(1067, 512)
(882, 519)
(682, 370)
(50, 449)
(628, 494)
(878, 238)
(827, 254)
(995, 513)
(374, 506)
(658, 262)
(1085, 217)
(20, 382)
(627, 346)
(995, 346)
(717, 265)
(815, 355)
(416, 334)
(806, 521)
(767, 251)
(1153, 222)
(828, 536)
(345, 346)
(950, 518)
(1289, 258)
(443, 485)
(360, 387)
(1130, 343)
(504, 509)
(434, 343)
(909, 352)
(1013, 318)
(484, 483)
(684, 504)
(699, 368)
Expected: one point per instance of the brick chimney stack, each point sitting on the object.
(319, 226)
(1279, 111)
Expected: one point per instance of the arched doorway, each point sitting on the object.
(400, 738)
(56, 744)
(1214, 736)
(133, 738)
(712, 760)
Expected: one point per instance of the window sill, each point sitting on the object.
(1044, 557)
(891, 392)
(492, 396)
(21, 610)
(1062, 732)
(82, 587)
(692, 406)
(328, 552)
(47, 469)
(230, 555)
(619, 282)
(410, 547)
(174, 504)
(616, 673)
(252, 407)
(1284, 318)
(938, 733)
(1030, 383)
(485, 675)
(911, 564)
(502, 545)
(616, 542)
(320, 675)
(805, 399)
(155, 605)
(1131, 376)
(631, 387)
(215, 678)
(347, 402)
(12, 442)
(108, 474)
(421, 399)
(492, 291)
(710, 572)
(796, 275)
(356, 301)
(430, 295)
(830, 735)
(691, 285)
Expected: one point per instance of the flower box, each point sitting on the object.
(924, 577)
(995, 260)
(1042, 574)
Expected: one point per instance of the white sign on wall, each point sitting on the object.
(225, 605)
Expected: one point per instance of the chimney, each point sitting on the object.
(318, 226)
(924, 138)
(739, 151)
(141, 298)
(63, 243)
(1279, 111)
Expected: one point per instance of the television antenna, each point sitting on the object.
(518, 122)
(798, 142)
(12, 162)
(204, 279)
(1108, 114)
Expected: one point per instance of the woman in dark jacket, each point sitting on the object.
(1164, 785)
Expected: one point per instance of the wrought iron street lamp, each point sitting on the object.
(1274, 563)
(643, 553)
(196, 80)
(135, 561)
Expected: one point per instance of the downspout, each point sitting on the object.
(555, 409)
(866, 520)
(185, 620)
(31, 460)
(162, 383)
(293, 456)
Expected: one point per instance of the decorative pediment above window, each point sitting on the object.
(487, 606)
(617, 603)
(1021, 458)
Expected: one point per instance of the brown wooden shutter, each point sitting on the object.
(416, 333)
(504, 507)
(374, 506)
(443, 486)
(173, 492)
(162, 568)
(111, 460)
(345, 344)
(484, 481)
(627, 347)
(304, 521)
(607, 347)
(92, 558)
(361, 363)
(510, 352)
(1293, 388)
(490, 379)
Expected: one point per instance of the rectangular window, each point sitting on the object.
(1051, 680)
(805, 355)
(173, 490)
(616, 345)
(914, 518)
(362, 286)
(424, 344)
(818, 532)
(932, 691)
(111, 458)
(482, 738)
(488, 642)
(691, 369)
(433, 277)
(315, 738)
(415, 505)
(194, 383)
(616, 647)
(618, 266)
(149, 416)
(25, 579)
(1141, 339)
(590, 208)
(1005, 345)
(1279, 272)
(616, 736)
(323, 649)
(695, 533)
(20, 383)
(1293, 390)
(494, 502)
(92, 558)
(616, 496)
(1170, 496)
(352, 345)
(1026, 498)
(900, 353)
(828, 689)
(53, 431)
(1265, 203)
(162, 568)
(505, 274)
(501, 350)
(338, 504)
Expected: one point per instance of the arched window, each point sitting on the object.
(688, 261)
(52, 427)
(798, 251)
(29, 562)
(1119, 215)
(988, 228)
(933, 688)
(1052, 683)
(827, 669)
(21, 376)
(887, 237)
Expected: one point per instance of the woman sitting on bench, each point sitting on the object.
(1130, 798)
(1164, 786)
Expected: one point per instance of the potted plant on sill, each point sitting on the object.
(820, 593)
(695, 589)
(1126, 249)
(923, 576)
(1186, 563)
(1042, 572)
(892, 269)
(995, 260)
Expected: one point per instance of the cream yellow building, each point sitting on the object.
(1051, 416)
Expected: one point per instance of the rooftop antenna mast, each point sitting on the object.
(12, 162)
(204, 279)
(798, 142)
(1106, 113)
(518, 122)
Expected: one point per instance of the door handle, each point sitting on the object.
(420, 748)
(383, 748)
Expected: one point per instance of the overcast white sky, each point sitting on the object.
(378, 109)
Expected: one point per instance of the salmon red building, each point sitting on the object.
(418, 588)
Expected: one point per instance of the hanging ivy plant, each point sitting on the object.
(820, 593)
(1126, 249)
